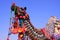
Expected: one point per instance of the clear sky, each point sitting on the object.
(38, 10)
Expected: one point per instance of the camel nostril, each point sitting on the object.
(59, 39)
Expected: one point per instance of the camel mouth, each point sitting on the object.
(58, 39)
(58, 28)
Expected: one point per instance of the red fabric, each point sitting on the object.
(21, 17)
(45, 33)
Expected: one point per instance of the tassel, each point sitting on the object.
(7, 38)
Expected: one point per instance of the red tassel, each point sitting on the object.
(8, 38)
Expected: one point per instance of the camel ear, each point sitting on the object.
(25, 8)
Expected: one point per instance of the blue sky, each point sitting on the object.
(38, 10)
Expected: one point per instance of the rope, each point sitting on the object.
(15, 10)
(10, 17)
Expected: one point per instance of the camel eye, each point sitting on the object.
(56, 23)
(20, 9)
